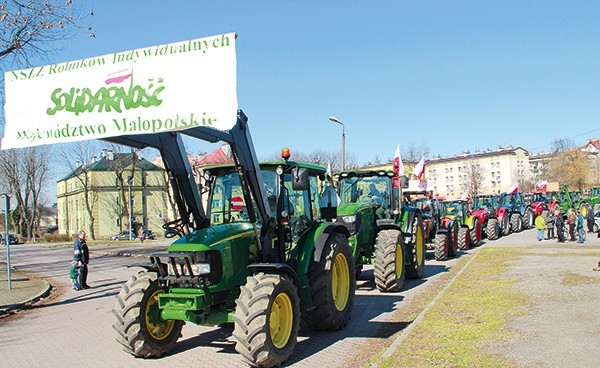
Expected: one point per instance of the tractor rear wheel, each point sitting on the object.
(463, 238)
(492, 230)
(528, 219)
(267, 319)
(516, 222)
(453, 240)
(332, 283)
(475, 233)
(416, 268)
(389, 264)
(141, 330)
(442, 245)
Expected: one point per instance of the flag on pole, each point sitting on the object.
(465, 196)
(419, 170)
(543, 185)
(398, 167)
(513, 189)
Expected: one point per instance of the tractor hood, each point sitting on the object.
(351, 208)
(210, 237)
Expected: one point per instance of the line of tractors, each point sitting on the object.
(262, 245)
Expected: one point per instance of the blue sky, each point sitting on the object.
(455, 76)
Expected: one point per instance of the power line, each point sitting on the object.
(575, 136)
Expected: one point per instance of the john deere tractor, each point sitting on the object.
(261, 255)
(380, 232)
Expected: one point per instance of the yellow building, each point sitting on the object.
(106, 185)
(497, 170)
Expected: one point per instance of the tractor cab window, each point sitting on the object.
(299, 204)
(371, 190)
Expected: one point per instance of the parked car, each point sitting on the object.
(124, 235)
(12, 239)
(149, 234)
(596, 225)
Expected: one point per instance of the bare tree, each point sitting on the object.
(472, 177)
(413, 152)
(26, 172)
(570, 167)
(561, 145)
(31, 26)
(320, 157)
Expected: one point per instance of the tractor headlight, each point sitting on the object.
(349, 219)
(198, 269)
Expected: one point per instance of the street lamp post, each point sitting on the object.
(130, 180)
(333, 119)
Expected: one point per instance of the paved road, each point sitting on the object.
(74, 325)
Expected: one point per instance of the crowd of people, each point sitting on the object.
(570, 226)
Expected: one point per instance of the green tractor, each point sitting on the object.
(381, 233)
(458, 230)
(263, 254)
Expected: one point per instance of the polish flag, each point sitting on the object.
(398, 167)
(465, 196)
(543, 185)
(513, 189)
(419, 170)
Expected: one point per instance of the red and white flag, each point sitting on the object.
(513, 189)
(398, 165)
(419, 170)
(543, 185)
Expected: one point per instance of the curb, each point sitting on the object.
(19, 306)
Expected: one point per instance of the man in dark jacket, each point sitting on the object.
(560, 223)
(590, 219)
(81, 255)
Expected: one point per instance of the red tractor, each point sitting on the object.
(430, 213)
(485, 207)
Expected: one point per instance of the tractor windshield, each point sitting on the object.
(486, 202)
(425, 205)
(454, 209)
(539, 197)
(371, 190)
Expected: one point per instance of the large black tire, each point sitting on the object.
(138, 324)
(416, 268)
(516, 222)
(492, 229)
(442, 246)
(506, 224)
(528, 218)
(476, 233)
(332, 283)
(390, 265)
(267, 319)
(453, 240)
(464, 240)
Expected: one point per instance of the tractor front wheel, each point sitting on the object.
(528, 220)
(267, 319)
(453, 240)
(475, 233)
(141, 330)
(416, 269)
(442, 245)
(463, 238)
(332, 283)
(492, 229)
(389, 264)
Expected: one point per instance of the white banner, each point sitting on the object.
(161, 88)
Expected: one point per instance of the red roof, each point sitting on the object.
(220, 156)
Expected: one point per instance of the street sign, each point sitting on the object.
(237, 203)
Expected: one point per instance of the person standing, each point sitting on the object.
(590, 219)
(540, 225)
(81, 255)
(571, 220)
(560, 224)
(580, 228)
(141, 234)
(550, 220)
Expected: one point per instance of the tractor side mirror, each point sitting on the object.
(404, 182)
(328, 204)
(299, 178)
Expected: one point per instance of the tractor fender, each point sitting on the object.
(150, 267)
(447, 225)
(502, 212)
(276, 267)
(323, 235)
(312, 243)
